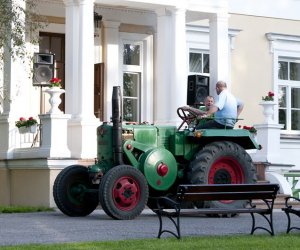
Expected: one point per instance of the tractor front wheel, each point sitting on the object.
(73, 193)
(222, 162)
(123, 192)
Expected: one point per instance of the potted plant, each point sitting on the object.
(26, 125)
(268, 104)
(55, 82)
(251, 129)
(269, 97)
(55, 91)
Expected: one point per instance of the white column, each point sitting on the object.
(111, 60)
(178, 72)
(7, 124)
(72, 47)
(268, 136)
(163, 84)
(86, 60)
(15, 101)
(218, 45)
(80, 78)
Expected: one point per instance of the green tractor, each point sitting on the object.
(135, 162)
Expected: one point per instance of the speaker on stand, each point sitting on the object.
(43, 71)
(197, 90)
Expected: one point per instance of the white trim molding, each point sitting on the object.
(280, 41)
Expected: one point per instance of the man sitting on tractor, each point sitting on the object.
(208, 102)
(226, 109)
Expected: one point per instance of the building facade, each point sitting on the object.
(149, 48)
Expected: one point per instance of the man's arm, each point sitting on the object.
(212, 109)
(240, 107)
(194, 110)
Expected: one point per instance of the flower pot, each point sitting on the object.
(268, 111)
(23, 130)
(55, 100)
(33, 129)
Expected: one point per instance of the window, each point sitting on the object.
(289, 93)
(132, 72)
(131, 54)
(131, 83)
(198, 62)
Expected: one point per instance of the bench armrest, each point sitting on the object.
(287, 200)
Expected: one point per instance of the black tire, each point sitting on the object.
(222, 162)
(123, 192)
(70, 192)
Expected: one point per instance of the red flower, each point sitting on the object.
(269, 97)
(271, 94)
(251, 129)
(22, 119)
(55, 80)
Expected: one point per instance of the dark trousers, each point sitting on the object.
(213, 125)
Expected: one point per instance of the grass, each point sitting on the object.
(244, 242)
(24, 209)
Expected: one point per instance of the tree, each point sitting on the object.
(18, 19)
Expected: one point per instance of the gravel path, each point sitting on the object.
(55, 227)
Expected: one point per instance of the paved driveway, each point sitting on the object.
(55, 227)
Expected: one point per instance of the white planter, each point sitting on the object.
(54, 100)
(23, 130)
(268, 111)
(32, 129)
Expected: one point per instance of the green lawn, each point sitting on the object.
(24, 209)
(247, 242)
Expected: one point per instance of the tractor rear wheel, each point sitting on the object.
(123, 192)
(222, 162)
(73, 193)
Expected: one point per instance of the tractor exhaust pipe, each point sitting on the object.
(117, 125)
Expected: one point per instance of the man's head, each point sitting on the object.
(220, 86)
(209, 101)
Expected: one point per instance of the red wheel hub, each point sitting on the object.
(226, 170)
(126, 193)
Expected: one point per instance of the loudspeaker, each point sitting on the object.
(197, 89)
(43, 69)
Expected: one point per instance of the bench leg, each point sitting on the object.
(289, 228)
(176, 223)
(269, 220)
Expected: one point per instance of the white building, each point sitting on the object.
(155, 44)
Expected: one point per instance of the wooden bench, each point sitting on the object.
(289, 209)
(196, 193)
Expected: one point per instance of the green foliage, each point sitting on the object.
(23, 209)
(14, 17)
(244, 242)
(26, 123)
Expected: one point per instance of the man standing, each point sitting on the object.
(226, 109)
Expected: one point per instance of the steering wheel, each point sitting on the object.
(186, 116)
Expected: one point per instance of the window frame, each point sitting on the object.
(133, 69)
(145, 69)
(202, 52)
(289, 85)
(283, 47)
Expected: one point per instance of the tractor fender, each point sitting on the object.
(159, 167)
